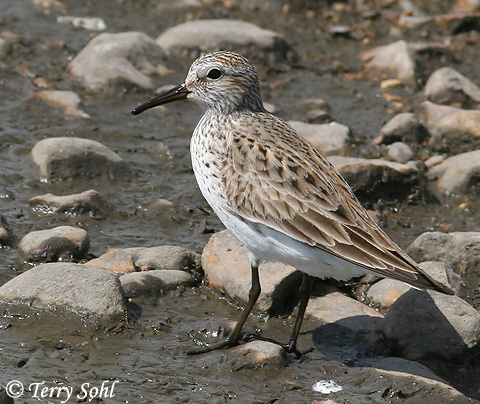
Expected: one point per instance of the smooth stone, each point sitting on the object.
(255, 355)
(444, 274)
(67, 101)
(89, 202)
(386, 291)
(466, 6)
(126, 57)
(372, 179)
(90, 23)
(227, 268)
(88, 291)
(400, 152)
(318, 116)
(154, 282)
(329, 138)
(214, 34)
(402, 127)
(344, 311)
(458, 174)
(447, 86)
(449, 126)
(150, 258)
(460, 250)
(311, 104)
(397, 57)
(7, 238)
(68, 158)
(63, 243)
(424, 324)
(434, 160)
(54, 5)
(404, 367)
(444, 23)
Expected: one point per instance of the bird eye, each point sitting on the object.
(214, 74)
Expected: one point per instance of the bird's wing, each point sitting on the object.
(275, 177)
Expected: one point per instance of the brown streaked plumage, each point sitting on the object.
(275, 192)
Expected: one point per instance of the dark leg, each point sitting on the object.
(305, 292)
(291, 346)
(234, 335)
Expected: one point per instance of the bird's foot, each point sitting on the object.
(224, 343)
(291, 347)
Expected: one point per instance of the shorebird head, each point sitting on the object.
(221, 81)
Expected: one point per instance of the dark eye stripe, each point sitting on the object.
(214, 74)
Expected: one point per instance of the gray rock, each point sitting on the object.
(400, 152)
(404, 367)
(67, 101)
(4, 396)
(444, 23)
(227, 268)
(88, 291)
(126, 57)
(372, 179)
(7, 238)
(344, 311)
(402, 127)
(460, 250)
(150, 258)
(239, 36)
(397, 57)
(90, 23)
(62, 158)
(63, 243)
(458, 174)
(255, 355)
(424, 324)
(329, 138)
(154, 282)
(447, 86)
(448, 126)
(443, 273)
(89, 202)
(386, 291)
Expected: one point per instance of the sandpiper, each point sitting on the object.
(275, 192)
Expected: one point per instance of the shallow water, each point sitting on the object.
(148, 358)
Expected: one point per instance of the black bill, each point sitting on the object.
(177, 93)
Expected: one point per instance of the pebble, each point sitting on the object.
(90, 23)
(386, 291)
(329, 138)
(89, 202)
(67, 101)
(372, 179)
(344, 311)
(460, 250)
(458, 174)
(7, 238)
(400, 152)
(255, 355)
(447, 86)
(51, 5)
(466, 6)
(68, 158)
(444, 23)
(421, 324)
(88, 291)
(63, 243)
(227, 268)
(453, 128)
(126, 57)
(434, 160)
(402, 127)
(154, 282)
(397, 57)
(239, 36)
(149, 258)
